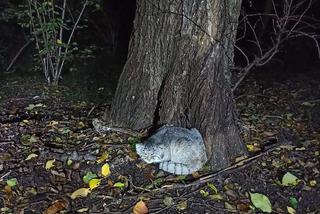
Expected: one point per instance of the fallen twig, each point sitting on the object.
(209, 177)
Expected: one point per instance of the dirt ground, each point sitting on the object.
(49, 150)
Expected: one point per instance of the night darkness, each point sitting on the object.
(71, 147)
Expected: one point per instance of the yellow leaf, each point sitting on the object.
(81, 125)
(50, 164)
(291, 210)
(82, 192)
(82, 210)
(313, 183)
(53, 123)
(69, 162)
(250, 147)
(25, 121)
(103, 157)
(105, 170)
(93, 183)
(31, 156)
(140, 208)
(59, 42)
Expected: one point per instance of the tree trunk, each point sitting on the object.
(177, 72)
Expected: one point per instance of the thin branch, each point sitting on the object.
(70, 37)
(17, 55)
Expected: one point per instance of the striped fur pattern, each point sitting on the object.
(179, 150)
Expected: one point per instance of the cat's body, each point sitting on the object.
(178, 150)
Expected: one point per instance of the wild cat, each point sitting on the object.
(178, 150)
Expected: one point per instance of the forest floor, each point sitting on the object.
(50, 156)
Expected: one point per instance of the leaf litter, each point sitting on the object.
(52, 161)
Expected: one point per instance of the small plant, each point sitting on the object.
(52, 33)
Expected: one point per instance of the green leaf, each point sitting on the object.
(289, 180)
(261, 202)
(87, 177)
(216, 197)
(213, 187)
(119, 185)
(12, 182)
(204, 193)
(293, 202)
(27, 139)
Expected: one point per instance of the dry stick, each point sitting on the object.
(209, 177)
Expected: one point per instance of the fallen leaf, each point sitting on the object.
(60, 174)
(182, 205)
(94, 183)
(12, 182)
(253, 147)
(168, 201)
(56, 207)
(212, 187)
(88, 176)
(230, 207)
(293, 202)
(105, 170)
(119, 185)
(26, 121)
(261, 202)
(33, 155)
(140, 208)
(313, 183)
(7, 190)
(53, 123)
(216, 197)
(69, 162)
(50, 164)
(82, 210)
(81, 125)
(289, 180)
(204, 193)
(291, 210)
(32, 106)
(33, 139)
(28, 140)
(243, 207)
(103, 157)
(82, 192)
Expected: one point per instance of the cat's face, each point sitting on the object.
(151, 152)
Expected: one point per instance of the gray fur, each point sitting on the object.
(178, 150)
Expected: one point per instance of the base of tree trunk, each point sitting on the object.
(177, 73)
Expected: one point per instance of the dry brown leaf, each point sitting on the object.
(140, 208)
(56, 207)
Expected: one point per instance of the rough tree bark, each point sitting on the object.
(177, 72)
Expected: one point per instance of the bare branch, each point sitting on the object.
(285, 24)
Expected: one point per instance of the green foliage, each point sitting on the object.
(52, 26)
(261, 202)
